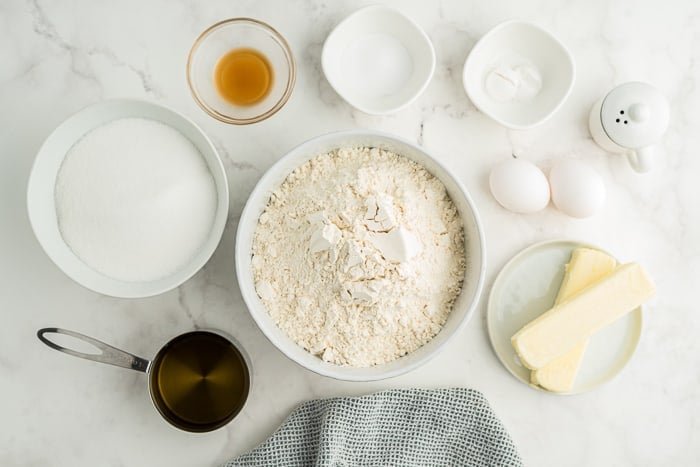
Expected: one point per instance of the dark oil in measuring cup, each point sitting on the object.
(199, 381)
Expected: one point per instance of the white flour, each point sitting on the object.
(359, 256)
(135, 199)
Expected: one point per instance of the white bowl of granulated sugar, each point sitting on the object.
(128, 198)
(360, 256)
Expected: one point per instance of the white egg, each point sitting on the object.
(577, 189)
(519, 186)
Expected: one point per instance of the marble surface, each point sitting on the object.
(57, 57)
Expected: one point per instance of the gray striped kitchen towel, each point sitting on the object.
(398, 427)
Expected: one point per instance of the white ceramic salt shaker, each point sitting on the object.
(631, 119)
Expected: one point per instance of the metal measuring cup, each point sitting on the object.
(196, 414)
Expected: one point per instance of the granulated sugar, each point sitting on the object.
(135, 199)
(359, 256)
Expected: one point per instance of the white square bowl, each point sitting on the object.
(534, 44)
(363, 25)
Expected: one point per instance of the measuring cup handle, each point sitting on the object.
(109, 354)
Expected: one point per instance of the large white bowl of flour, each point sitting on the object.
(128, 198)
(463, 307)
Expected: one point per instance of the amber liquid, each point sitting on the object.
(243, 77)
(199, 381)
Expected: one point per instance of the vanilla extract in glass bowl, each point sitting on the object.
(243, 76)
(241, 71)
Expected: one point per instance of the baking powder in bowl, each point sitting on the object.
(135, 200)
(359, 256)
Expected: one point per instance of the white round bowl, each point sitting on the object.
(364, 25)
(223, 37)
(41, 195)
(535, 45)
(463, 307)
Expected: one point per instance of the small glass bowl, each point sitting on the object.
(217, 41)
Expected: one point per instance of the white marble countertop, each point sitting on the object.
(57, 57)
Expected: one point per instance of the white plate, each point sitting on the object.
(41, 198)
(526, 287)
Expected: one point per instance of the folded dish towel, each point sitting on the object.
(399, 427)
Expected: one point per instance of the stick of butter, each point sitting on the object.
(576, 319)
(585, 267)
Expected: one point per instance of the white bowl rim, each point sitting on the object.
(416, 94)
(336, 371)
(480, 43)
(218, 226)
